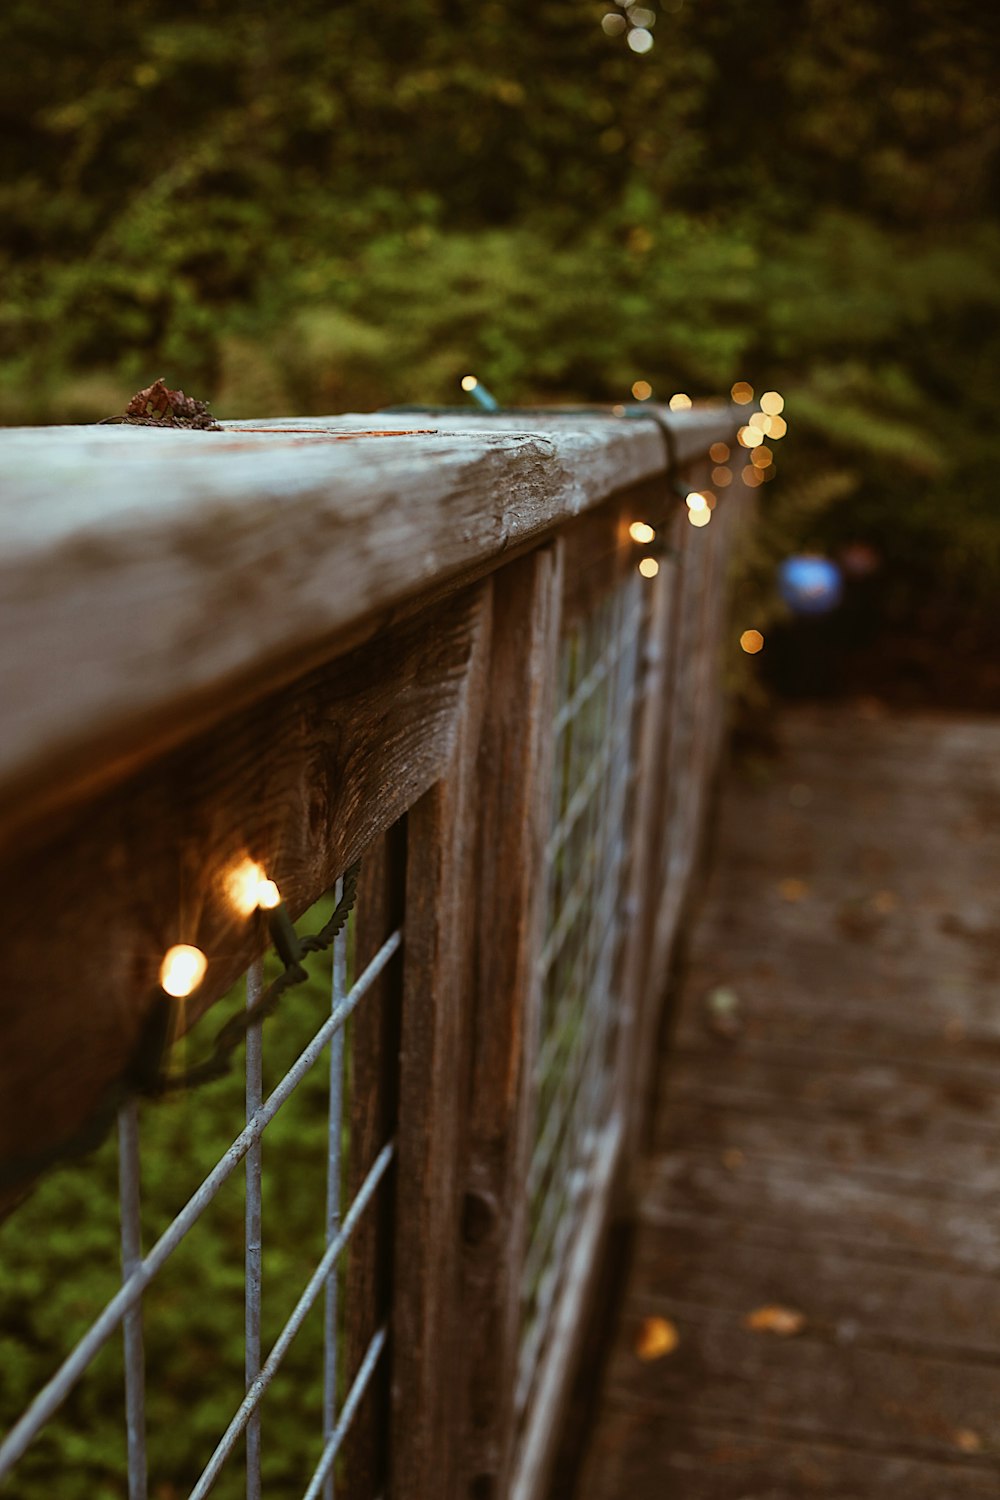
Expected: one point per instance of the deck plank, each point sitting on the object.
(833, 1149)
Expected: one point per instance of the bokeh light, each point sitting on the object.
(640, 40)
(719, 452)
(761, 457)
(649, 567)
(613, 24)
(751, 477)
(742, 393)
(182, 970)
(642, 532)
(641, 390)
(752, 641)
(722, 476)
(680, 402)
(772, 403)
(777, 428)
(760, 422)
(696, 500)
(750, 437)
(700, 517)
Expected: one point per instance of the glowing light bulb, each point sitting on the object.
(642, 390)
(752, 641)
(469, 382)
(182, 970)
(696, 501)
(642, 533)
(250, 888)
(649, 567)
(700, 517)
(772, 403)
(680, 402)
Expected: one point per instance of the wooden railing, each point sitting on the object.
(418, 642)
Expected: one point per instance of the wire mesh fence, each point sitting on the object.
(578, 967)
(320, 1192)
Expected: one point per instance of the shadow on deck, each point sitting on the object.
(819, 1226)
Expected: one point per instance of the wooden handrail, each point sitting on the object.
(152, 582)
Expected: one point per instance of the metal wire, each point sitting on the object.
(585, 882)
(131, 1236)
(338, 989)
(253, 1253)
(55, 1391)
(312, 1290)
(354, 1398)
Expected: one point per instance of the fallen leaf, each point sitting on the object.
(967, 1440)
(657, 1337)
(793, 889)
(774, 1318)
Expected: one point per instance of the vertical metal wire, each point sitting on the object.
(338, 990)
(131, 1237)
(254, 1098)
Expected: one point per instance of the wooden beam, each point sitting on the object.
(153, 582)
(513, 808)
(301, 783)
(442, 855)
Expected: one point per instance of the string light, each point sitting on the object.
(251, 890)
(641, 532)
(182, 970)
(649, 567)
(752, 641)
(474, 387)
(641, 390)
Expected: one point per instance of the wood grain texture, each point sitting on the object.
(513, 811)
(429, 1398)
(302, 783)
(154, 581)
(836, 1154)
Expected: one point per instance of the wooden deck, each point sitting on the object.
(826, 1163)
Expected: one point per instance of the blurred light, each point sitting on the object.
(642, 532)
(760, 421)
(640, 40)
(778, 427)
(810, 584)
(649, 567)
(700, 517)
(772, 403)
(859, 560)
(696, 501)
(719, 452)
(751, 477)
(613, 24)
(750, 437)
(761, 457)
(721, 477)
(639, 16)
(618, 410)
(680, 402)
(769, 472)
(642, 390)
(742, 393)
(469, 382)
(182, 970)
(249, 888)
(752, 641)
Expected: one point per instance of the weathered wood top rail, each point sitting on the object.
(152, 581)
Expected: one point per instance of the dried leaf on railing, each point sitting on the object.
(156, 406)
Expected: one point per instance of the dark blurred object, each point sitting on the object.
(156, 406)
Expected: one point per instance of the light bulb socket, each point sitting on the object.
(283, 936)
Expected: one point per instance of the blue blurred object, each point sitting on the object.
(810, 585)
